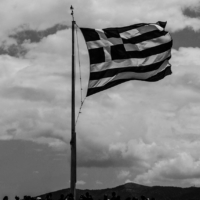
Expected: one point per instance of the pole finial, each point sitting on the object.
(72, 12)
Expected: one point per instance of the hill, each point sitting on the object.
(136, 190)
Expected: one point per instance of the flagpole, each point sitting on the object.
(73, 131)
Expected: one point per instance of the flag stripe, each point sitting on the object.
(144, 37)
(139, 31)
(112, 72)
(130, 62)
(157, 77)
(127, 75)
(134, 26)
(148, 43)
(150, 51)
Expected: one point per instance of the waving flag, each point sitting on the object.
(136, 52)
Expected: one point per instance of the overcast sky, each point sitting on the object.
(141, 132)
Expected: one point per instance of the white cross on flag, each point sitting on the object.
(136, 52)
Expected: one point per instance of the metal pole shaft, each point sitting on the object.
(73, 131)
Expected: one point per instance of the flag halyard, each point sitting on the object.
(136, 52)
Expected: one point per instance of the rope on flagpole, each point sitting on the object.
(81, 86)
(79, 65)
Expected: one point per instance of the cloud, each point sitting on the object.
(80, 182)
(99, 182)
(39, 16)
(34, 15)
(12, 49)
(16, 44)
(35, 36)
(123, 174)
(128, 181)
(28, 93)
(111, 13)
(170, 171)
(35, 90)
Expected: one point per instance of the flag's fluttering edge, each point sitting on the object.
(136, 52)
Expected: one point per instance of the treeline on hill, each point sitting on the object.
(136, 190)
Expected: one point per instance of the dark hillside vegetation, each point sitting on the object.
(136, 190)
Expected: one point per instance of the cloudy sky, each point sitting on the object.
(141, 132)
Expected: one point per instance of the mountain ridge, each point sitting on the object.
(135, 190)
